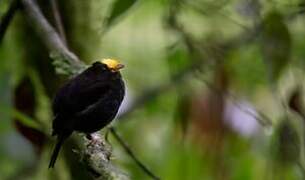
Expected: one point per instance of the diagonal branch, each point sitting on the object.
(49, 36)
(58, 20)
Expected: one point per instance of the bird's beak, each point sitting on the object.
(118, 67)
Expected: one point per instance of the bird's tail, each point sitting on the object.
(56, 150)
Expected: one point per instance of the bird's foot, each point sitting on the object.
(93, 139)
(96, 143)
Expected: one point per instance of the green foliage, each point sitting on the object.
(119, 8)
(221, 35)
(246, 69)
(5, 102)
(286, 144)
(25, 120)
(178, 58)
(275, 44)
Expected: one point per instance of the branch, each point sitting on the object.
(58, 21)
(96, 157)
(7, 17)
(52, 40)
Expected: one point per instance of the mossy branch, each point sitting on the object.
(97, 153)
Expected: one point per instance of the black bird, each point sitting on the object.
(87, 102)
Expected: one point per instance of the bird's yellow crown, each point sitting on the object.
(112, 64)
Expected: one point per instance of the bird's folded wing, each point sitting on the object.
(77, 96)
(101, 105)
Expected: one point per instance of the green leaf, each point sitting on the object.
(275, 44)
(246, 69)
(21, 117)
(285, 144)
(25, 120)
(119, 8)
(177, 58)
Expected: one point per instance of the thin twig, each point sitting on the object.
(7, 17)
(131, 154)
(58, 21)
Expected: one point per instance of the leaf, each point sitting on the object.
(21, 117)
(275, 44)
(177, 58)
(25, 120)
(286, 143)
(246, 69)
(118, 9)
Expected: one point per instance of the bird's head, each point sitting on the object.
(112, 64)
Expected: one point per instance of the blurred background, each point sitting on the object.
(214, 88)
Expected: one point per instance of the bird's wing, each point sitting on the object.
(59, 100)
(77, 95)
(101, 105)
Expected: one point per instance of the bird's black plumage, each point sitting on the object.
(86, 103)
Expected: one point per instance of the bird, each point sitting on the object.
(87, 102)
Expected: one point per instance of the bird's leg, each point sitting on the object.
(89, 137)
(93, 139)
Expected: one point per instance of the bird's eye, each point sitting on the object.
(105, 67)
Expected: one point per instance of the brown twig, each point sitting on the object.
(8, 16)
